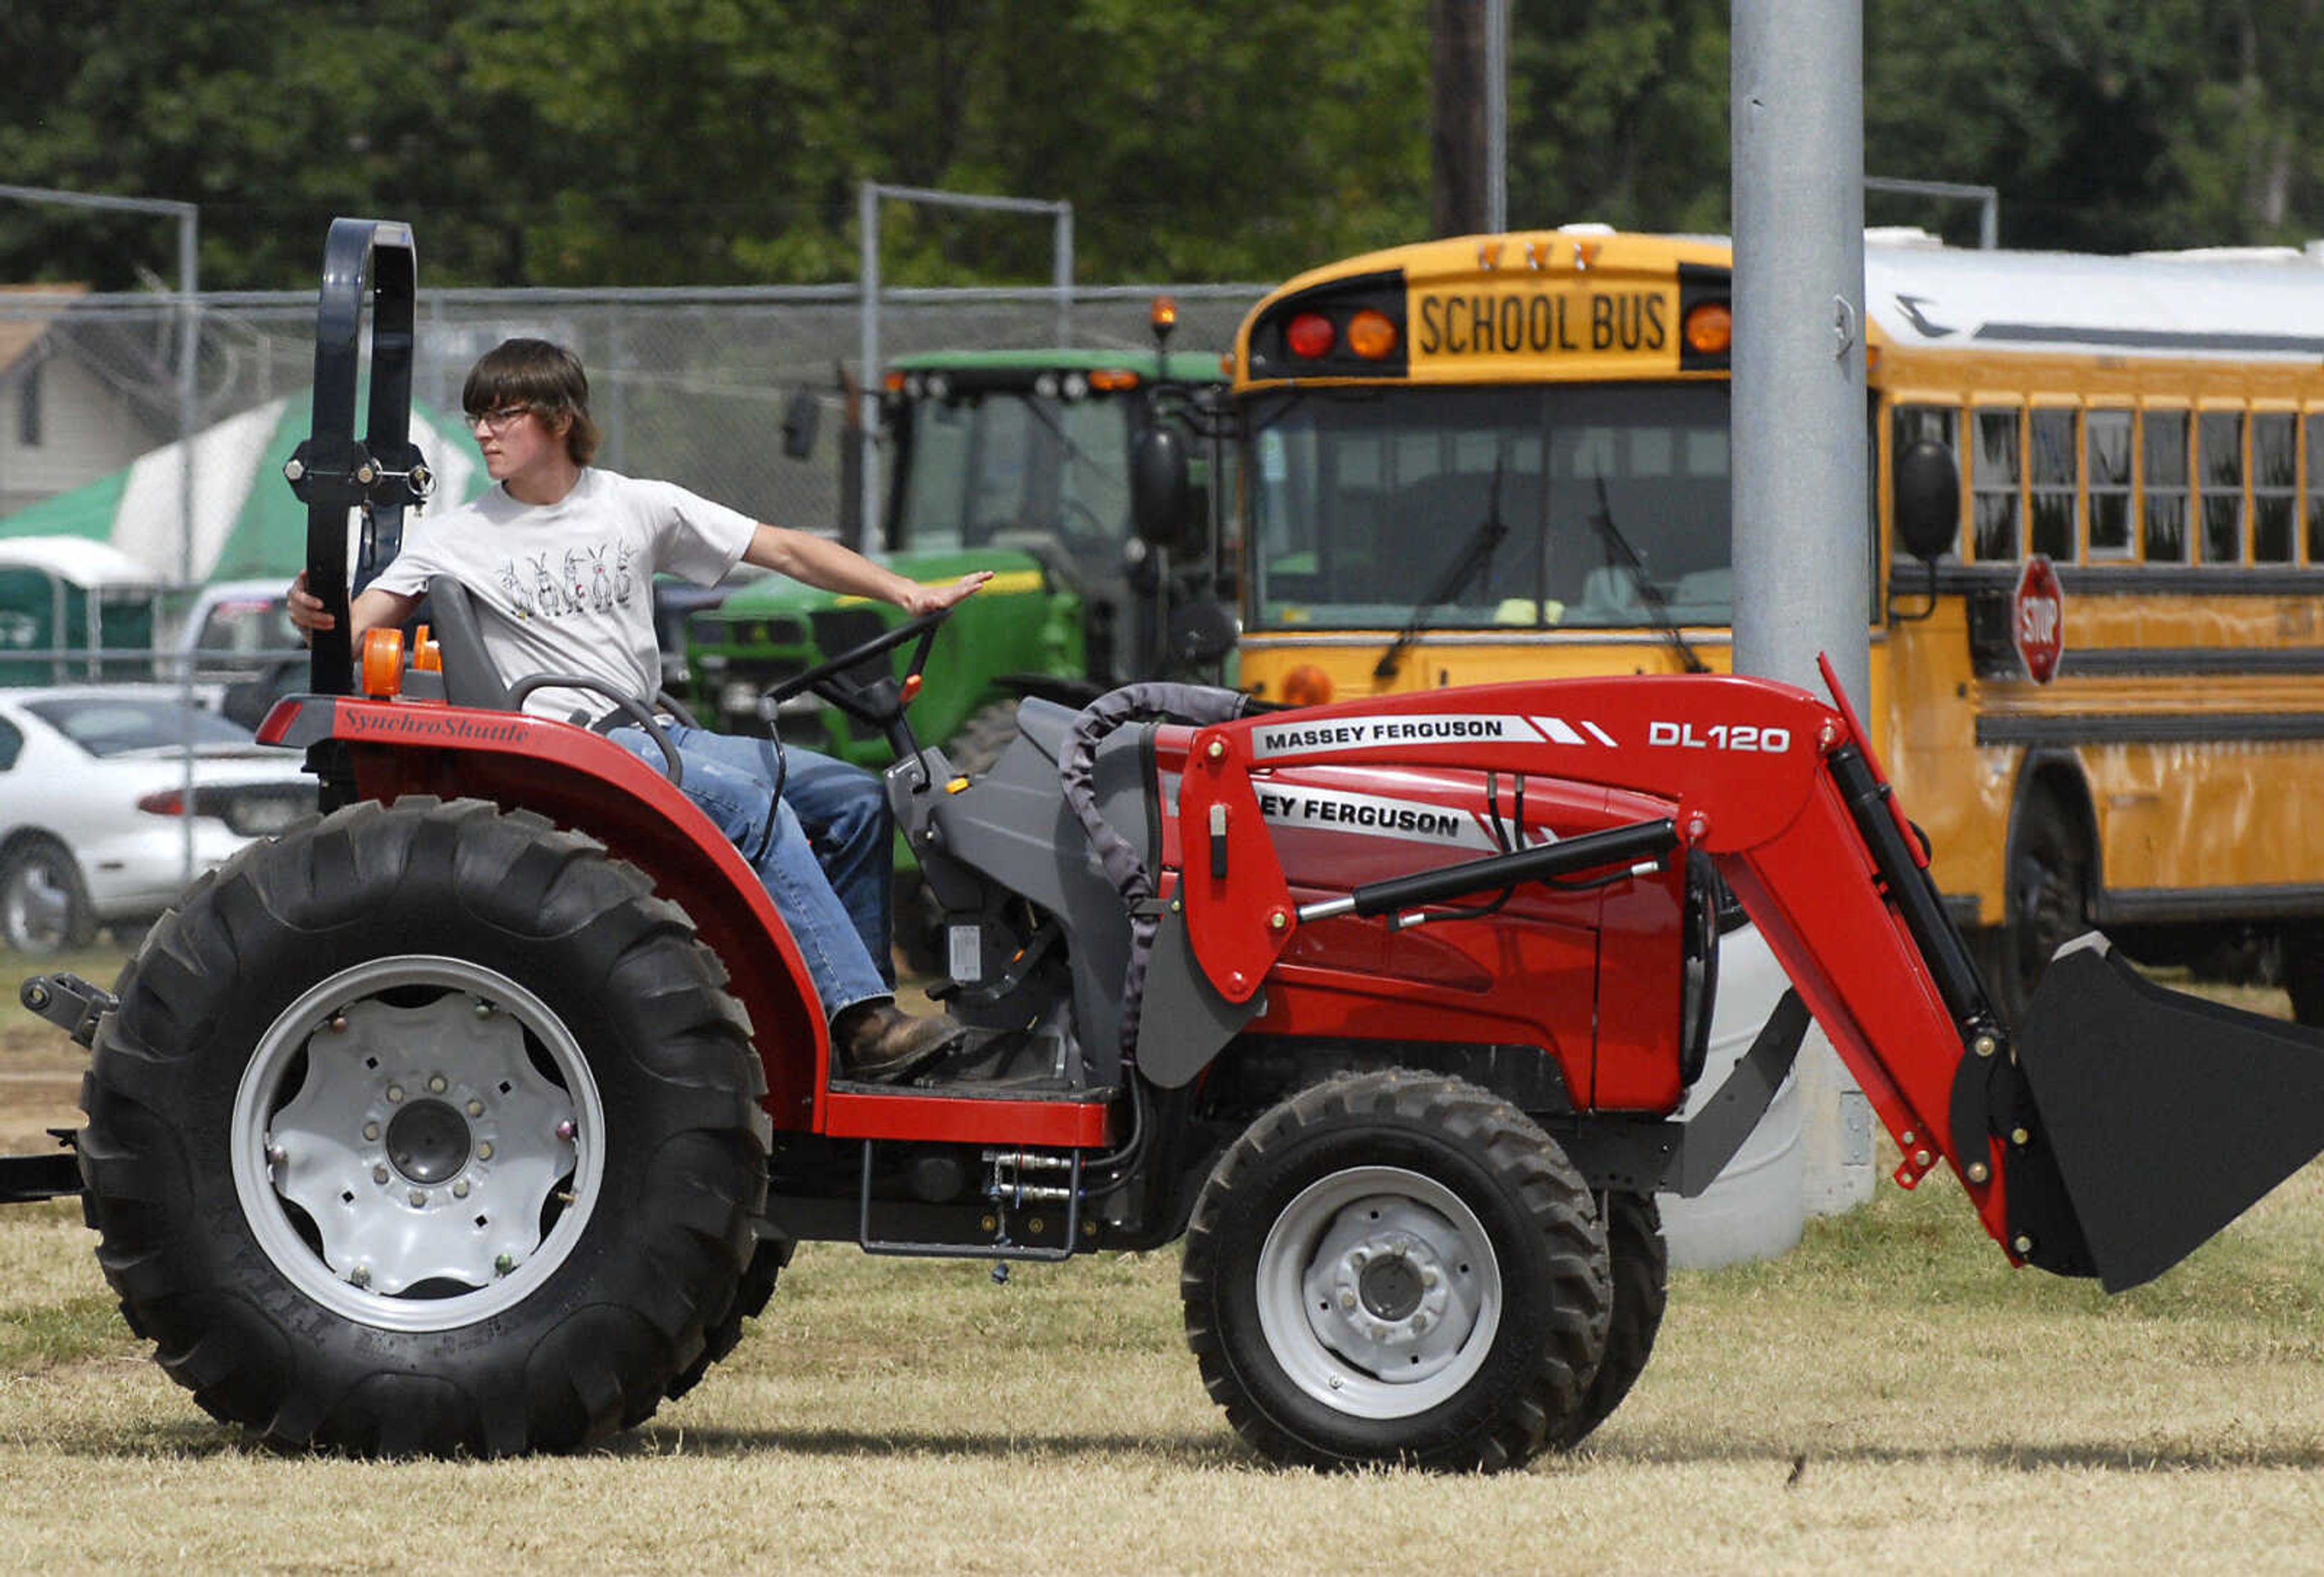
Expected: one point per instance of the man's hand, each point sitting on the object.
(928, 599)
(306, 609)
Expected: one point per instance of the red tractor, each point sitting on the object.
(479, 1114)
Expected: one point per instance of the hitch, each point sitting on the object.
(69, 1002)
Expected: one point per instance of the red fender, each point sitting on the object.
(584, 781)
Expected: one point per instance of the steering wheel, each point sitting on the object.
(882, 700)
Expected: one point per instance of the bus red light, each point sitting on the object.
(1370, 335)
(1310, 335)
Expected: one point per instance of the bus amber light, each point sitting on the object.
(1306, 685)
(1710, 328)
(1370, 335)
(1310, 335)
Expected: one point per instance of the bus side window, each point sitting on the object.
(2219, 441)
(2315, 429)
(2105, 458)
(1993, 485)
(2163, 501)
(2274, 486)
(2052, 479)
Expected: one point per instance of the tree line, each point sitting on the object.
(721, 142)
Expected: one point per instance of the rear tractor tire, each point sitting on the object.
(1394, 1268)
(425, 1130)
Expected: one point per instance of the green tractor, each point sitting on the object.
(1019, 462)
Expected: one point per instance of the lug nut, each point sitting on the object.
(371, 1130)
(1921, 1158)
(1347, 1299)
(379, 1174)
(2020, 1137)
(1977, 1171)
(484, 1009)
(2023, 1244)
(504, 1265)
(419, 1199)
(460, 1189)
(360, 1276)
(276, 1155)
(475, 1108)
(1985, 1045)
(484, 1152)
(338, 1024)
(395, 1093)
(436, 1084)
(567, 1132)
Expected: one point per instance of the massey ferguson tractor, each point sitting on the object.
(478, 1114)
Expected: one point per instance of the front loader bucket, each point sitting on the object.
(2168, 1116)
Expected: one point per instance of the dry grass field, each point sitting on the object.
(1888, 1397)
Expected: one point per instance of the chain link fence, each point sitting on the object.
(688, 385)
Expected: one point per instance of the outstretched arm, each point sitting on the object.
(827, 564)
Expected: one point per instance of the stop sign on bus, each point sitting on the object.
(2037, 620)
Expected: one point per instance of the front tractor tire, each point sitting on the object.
(425, 1130)
(1393, 1268)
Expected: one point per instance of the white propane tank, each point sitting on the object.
(1755, 1207)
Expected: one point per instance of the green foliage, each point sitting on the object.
(599, 142)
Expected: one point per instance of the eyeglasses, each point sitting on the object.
(497, 421)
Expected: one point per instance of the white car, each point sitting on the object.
(92, 806)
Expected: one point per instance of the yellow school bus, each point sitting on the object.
(2100, 682)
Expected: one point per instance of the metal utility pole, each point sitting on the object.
(1459, 119)
(1802, 540)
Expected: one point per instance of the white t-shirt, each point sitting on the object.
(567, 587)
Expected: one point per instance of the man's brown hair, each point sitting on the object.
(545, 379)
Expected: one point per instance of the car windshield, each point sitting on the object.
(1362, 503)
(116, 725)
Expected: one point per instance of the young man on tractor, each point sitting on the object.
(560, 558)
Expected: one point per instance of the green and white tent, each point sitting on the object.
(246, 522)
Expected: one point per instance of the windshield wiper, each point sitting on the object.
(1618, 548)
(1476, 555)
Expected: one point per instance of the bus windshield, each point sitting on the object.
(1566, 507)
(1005, 469)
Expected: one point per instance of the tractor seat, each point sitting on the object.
(470, 678)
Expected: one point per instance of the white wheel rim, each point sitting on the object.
(396, 1158)
(1380, 1292)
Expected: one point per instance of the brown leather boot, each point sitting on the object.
(878, 1042)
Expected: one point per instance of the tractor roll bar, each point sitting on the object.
(331, 472)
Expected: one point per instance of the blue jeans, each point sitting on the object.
(826, 862)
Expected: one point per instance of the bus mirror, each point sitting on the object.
(799, 420)
(1161, 499)
(1927, 499)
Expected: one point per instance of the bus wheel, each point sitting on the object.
(2304, 971)
(2048, 900)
